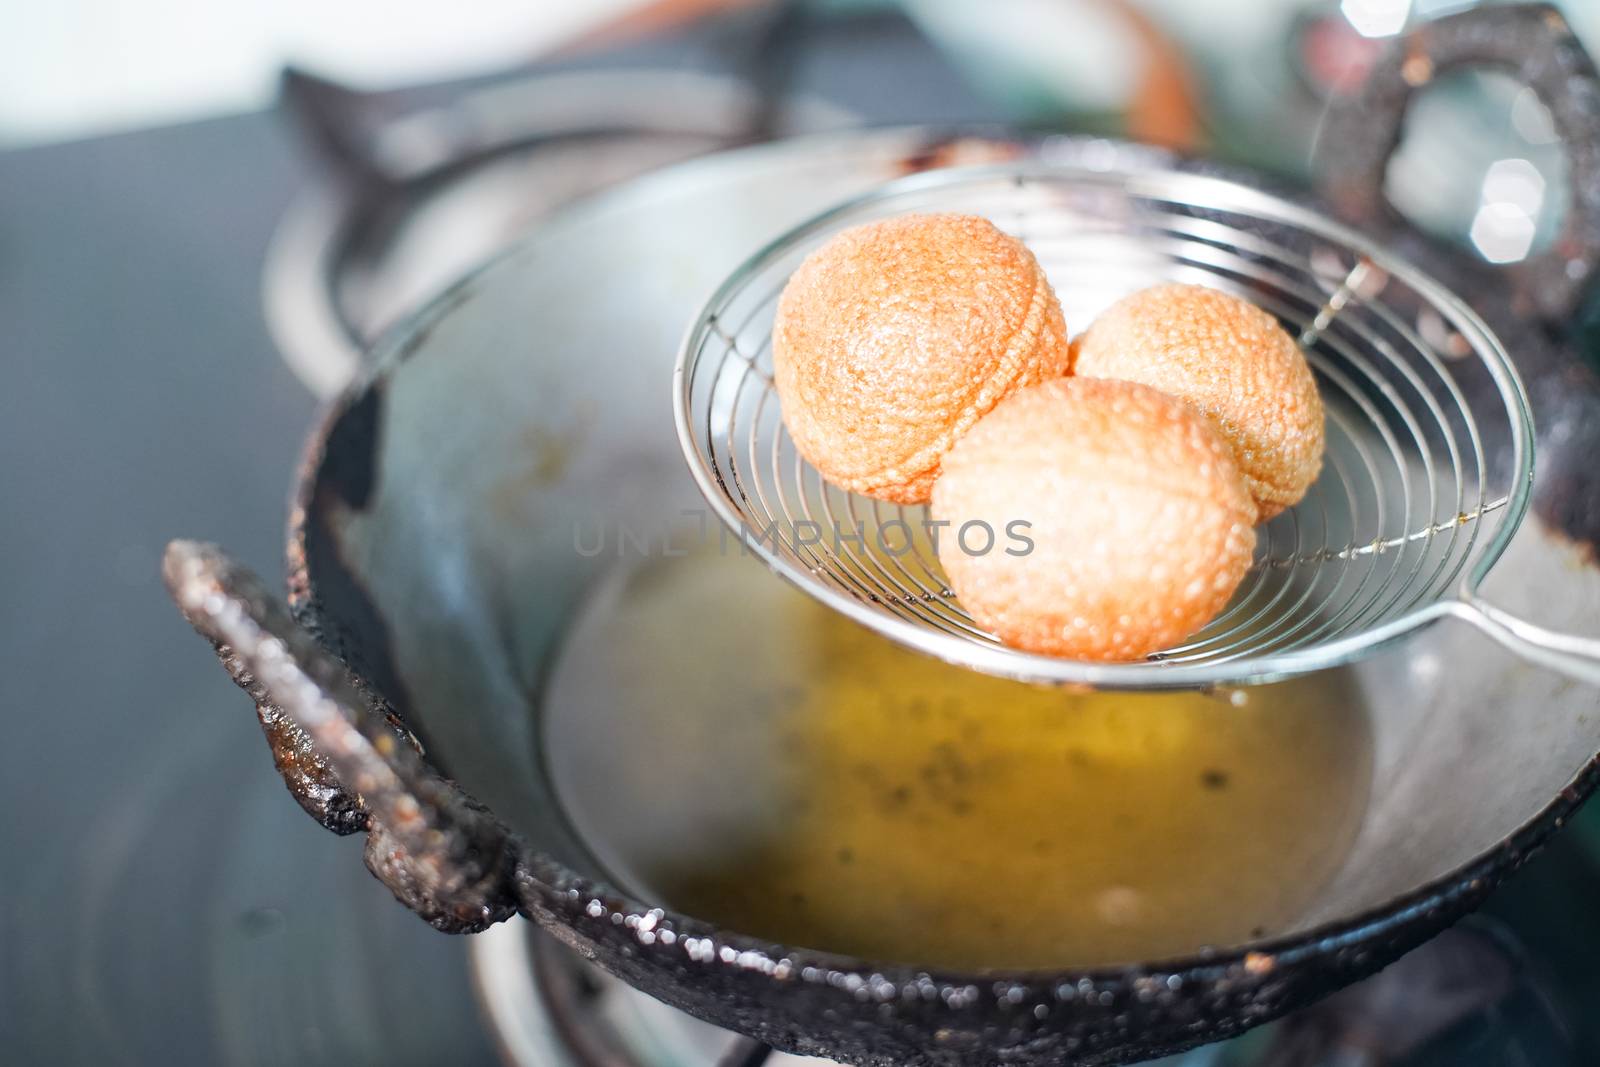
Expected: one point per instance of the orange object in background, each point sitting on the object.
(1164, 109)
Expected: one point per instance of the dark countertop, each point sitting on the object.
(166, 901)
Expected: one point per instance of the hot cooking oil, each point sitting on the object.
(731, 748)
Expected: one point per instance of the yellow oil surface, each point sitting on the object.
(749, 757)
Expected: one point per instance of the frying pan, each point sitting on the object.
(432, 581)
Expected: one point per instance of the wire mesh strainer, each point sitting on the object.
(1430, 444)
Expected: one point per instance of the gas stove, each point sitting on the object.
(170, 903)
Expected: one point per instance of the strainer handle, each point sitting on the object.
(1569, 654)
(1535, 45)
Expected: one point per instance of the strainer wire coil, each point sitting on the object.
(1430, 440)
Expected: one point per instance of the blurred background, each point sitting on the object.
(206, 213)
(1242, 79)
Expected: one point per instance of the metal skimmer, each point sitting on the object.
(1430, 444)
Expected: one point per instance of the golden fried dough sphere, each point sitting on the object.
(1140, 520)
(894, 337)
(1231, 360)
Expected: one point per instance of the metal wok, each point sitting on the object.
(433, 582)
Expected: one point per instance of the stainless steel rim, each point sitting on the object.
(1409, 516)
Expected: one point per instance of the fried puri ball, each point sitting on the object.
(893, 338)
(1231, 360)
(1139, 518)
